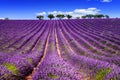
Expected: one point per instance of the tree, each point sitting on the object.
(77, 17)
(68, 16)
(60, 16)
(106, 16)
(83, 17)
(6, 18)
(51, 16)
(98, 16)
(89, 16)
(95, 16)
(102, 16)
(40, 17)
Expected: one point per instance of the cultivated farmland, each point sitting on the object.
(76, 49)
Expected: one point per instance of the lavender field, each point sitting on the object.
(76, 49)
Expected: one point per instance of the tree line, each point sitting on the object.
(61, 16)
(51, 16)
(95, 16)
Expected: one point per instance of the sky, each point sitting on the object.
(29, 9)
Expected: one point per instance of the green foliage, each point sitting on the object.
(102, 73)
(98, 16)
(52, 76)
(40, 17)
(95, 16)
(30, 60)
(52, 46)
(106, 16)
(11, 67)
(89, 16)
(68, 16)
(83, 16)
(60, 16)
(51, 16)
(77, 17)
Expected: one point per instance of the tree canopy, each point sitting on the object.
(68, 16)
(60, 16)
(95, 16)
(51, 16)
(40, 17)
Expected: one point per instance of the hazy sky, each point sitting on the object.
(28, 9)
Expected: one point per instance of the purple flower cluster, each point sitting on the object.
(79, 49)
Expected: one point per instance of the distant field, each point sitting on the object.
(76, 49)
